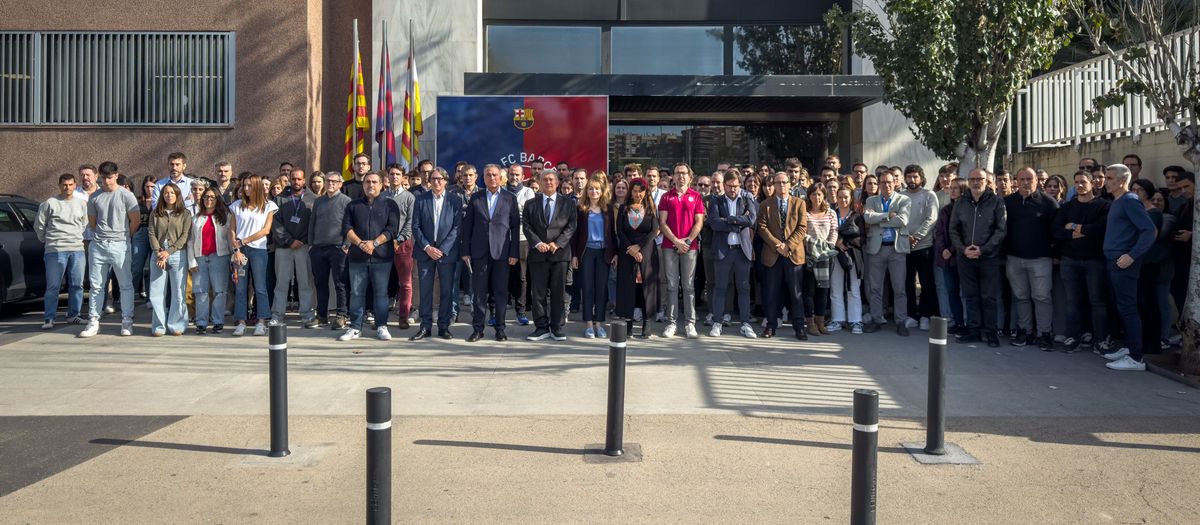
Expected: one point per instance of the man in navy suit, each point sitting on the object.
(732, 217)
(549, 223)
(490, 244)
(435, 223)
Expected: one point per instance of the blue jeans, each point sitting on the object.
(172, 316)
(56, 263)
(257, 259)
(377, 273)
(212, 275)
(949, 298)
(1125, 290)
(141, 253)
(103, 257)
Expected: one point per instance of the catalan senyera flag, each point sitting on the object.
(385, 129)
(412, 127)
(357, 121)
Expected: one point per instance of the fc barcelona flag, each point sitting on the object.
(523, 130)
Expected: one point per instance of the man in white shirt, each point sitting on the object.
(518, 278)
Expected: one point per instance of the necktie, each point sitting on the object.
(436, 214)
(548, 209)
(783, 212)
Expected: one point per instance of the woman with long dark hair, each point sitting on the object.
(252, 215)
(637, 262)
(819, 254)
(170, 230)
(845, 290)
(140, 247)
(208, 260)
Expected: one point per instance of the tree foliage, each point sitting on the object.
(790, 50)
(953, 67)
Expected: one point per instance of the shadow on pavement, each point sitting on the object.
(179, 446)
(800, 443)
(508, 446)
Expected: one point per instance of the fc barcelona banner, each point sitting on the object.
(522, 130)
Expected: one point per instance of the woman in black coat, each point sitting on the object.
(637, 263)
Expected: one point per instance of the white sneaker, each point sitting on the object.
(92, 328)
(856, 328)
(833, 326)
(748, 331)
(726, 318)
(669, 331)
(466, 300)
(274, 322)
(260, 328)
(588, 333)
(382, 334)
(912, 323)
(601, 333)
(126, 327)
(690, 331)
(109, 309)
(349, 334)
(637, 314)
(48, 324)
(239, 330)
(1114, 356)
(715, 331)
(924, 323)
(1126, 363)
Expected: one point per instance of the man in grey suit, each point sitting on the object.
(887, 246)
(549, 221)
(732, 217)
(489, 245)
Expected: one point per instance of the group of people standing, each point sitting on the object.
(841, 251)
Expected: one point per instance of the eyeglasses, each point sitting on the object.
(703, 185)
(437, 179)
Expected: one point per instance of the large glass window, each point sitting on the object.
(668, 50)
(786, 50)
(705, 146)
(543, 49)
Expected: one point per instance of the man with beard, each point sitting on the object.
(923, 213)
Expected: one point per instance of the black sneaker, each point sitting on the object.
(1018, 340)
(993, 340)
(217, 328)
(200, 330)
(1046, 342)
(968, 338)
(871, 327)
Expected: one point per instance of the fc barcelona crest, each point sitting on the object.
(523, 118)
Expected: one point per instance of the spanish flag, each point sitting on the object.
(412, 127)
(357, 121)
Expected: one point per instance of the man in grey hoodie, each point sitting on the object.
(59, 226)
(923, 214)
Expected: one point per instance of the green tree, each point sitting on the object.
(789, 50)
(1162, 66)
(953, 67)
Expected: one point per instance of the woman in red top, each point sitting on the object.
(208, 260)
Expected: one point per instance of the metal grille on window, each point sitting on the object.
(117, 78)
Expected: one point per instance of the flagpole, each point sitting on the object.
(412, 52)
(354, 142)
(379, 96)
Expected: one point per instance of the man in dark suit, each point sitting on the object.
(782, 223)
(435, 223)
(733, 218)
(549, 223)
(489, 245)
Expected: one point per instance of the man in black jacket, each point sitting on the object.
(290, 230)
(1079, 228)
(1029, 247)
(978, 225)
(549, 221)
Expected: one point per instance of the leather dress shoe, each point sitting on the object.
(801, 334)
(403, 324)
(768, 332)
(500, 336)
(475, 336)
(444, 333)
(421, 334)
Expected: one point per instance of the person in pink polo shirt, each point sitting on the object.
(680, 216)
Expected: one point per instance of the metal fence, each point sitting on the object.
(1049, 112)
(57, 78)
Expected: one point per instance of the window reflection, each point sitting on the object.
(668, 50)
(786, 50)
(543, 49)
(704, 146)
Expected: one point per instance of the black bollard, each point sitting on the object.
(613, 437)
(866, 439)
(379, 455)
(277, 343)
(935, 427)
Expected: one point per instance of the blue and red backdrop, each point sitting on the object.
(521, 130)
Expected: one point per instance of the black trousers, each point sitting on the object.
(919, 265)
(547, 285)
(329, 261)
(489, 277)
(784, 281)
(979, 280)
